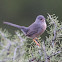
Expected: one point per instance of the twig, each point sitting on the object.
(59, 29)
(32, 59)
(21, 39)
(45, 55)
(54, 31)
(7, 47)
(5, 60)
(54, 54)
(15, 52)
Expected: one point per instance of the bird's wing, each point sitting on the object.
(30, 33)
(33, 29)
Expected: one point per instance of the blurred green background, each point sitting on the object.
(24, 12)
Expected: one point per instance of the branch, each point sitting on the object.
(7, 47)
(6, 59)
(32, 59)
(54, 54)
(54, 31)
(45, 55)
(21, 39)
(14, 57)
(59, 29)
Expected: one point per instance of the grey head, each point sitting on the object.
(40, 18)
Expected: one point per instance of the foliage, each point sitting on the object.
(19, 48)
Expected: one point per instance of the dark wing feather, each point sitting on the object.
(25, 30)
(31, 33)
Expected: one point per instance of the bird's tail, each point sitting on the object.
(11, 24)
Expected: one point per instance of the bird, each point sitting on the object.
(33, 31)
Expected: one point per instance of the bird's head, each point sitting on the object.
(40, 18)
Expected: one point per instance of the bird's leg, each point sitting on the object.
(35, 40)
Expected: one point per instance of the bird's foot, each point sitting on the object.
(36, 41)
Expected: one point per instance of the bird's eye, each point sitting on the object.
(40, 18)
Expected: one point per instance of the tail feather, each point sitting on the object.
(11, 24)
(23, 28)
